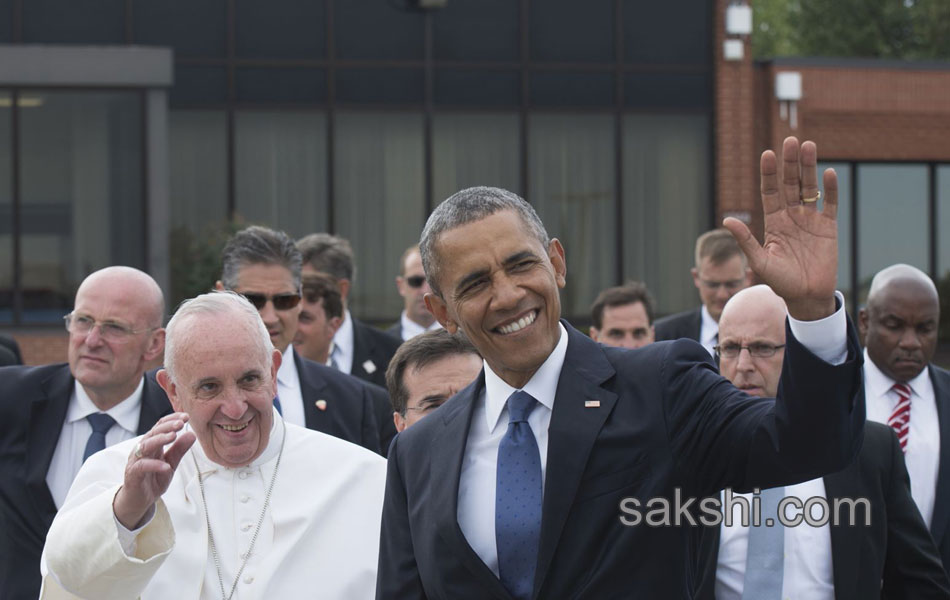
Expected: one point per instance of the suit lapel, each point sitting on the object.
(47, 414)
(941, 516)
(574, 429)
(845, 541)
(696, 327)
(154, 406)
(362, 349)
(446, 468)
(311, 390)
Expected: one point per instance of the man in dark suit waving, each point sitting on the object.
(512, 488)
(882, 545)
(56, 416)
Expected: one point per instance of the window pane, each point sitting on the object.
(193, 29)
(571, 183)
(843, 170)
(563, 30)
(461, 28)
(280, 29)
(668, 32)
(81, 178)
(380, 86)
(470, 150)
(892, 219)
(379, 203)
(198, 169)
(281, 170)
(6, 25)
(195, 86)
(382, 30)
(666, 203)
(943, 220)
(572, 89)
(285, 86)
(63, 22)
(667, 90)
(477, 88)
(6, 211)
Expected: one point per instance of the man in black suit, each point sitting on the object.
(721, 270)
(263, 265)
(54, 416)
(8, 343)
(905, 390)
(7, 358)
(358, 349)
(477, 510)
(412, 286)
(883, 546)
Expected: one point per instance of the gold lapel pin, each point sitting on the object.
(321, 404)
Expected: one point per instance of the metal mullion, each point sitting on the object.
(932, 213)
(618, 142)
(331, 116)
(17, 217)
(523, 109)
(855, 259)
(427, 113)
(229, 114)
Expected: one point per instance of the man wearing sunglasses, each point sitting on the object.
(412, 286)
(56, 416)
(721, 270)
(263, 265)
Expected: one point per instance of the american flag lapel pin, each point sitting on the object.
(321, 404)
(592, 404)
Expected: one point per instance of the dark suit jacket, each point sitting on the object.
(665, 420)
(395, 330)
(378, 347)
(686, 324)
(896, 548)
(32, 410)
(10, 344)
(356, 411)
(940, 523)
(7, 358)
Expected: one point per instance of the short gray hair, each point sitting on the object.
(212, 303)
(328, 254)
(258, 245)
(467, 206)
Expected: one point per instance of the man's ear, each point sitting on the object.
(863, 324)
(440, 311)
(400, 422)
(556, 256)
(219, 286)
(171, 390)
(401, 285)
(344, 285)
(695, 274)
(594, 333)
(156, 344)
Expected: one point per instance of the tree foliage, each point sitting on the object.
(895, 29)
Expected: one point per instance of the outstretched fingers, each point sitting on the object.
(791, 172)
(750, 246)
(830, 181)
(768, 174)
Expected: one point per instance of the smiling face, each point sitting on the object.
(754, 317)
(900, 327)
(500, 286)
(226, 382)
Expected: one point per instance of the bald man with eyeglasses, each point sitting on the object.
(56, 416)
(412, 286)
(264, 266)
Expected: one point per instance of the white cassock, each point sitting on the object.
(319, 537)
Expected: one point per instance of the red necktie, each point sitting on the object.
(900, 418)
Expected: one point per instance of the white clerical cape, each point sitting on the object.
(319, 537)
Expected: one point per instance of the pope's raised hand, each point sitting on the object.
(150, 469)
(799, 259)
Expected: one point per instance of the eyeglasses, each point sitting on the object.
(281, 301)
(731, 285)
(80, 324)
(416, 281)
(755, 350)
(425, 409)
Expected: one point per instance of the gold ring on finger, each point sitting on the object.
(814, 198)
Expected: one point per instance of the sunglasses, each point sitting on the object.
(281, 301)
(416, 281)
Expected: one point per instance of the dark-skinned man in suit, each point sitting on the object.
(478, 509)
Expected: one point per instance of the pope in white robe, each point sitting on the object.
(292, 513)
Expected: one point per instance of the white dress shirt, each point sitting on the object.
(808, 568)
(344, 344)
(826, 338)
(708, 331)
(288, 389)
(411, 329)
(922, 453)
(67, 457)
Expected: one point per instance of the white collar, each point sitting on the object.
(270, 453)
(125, 413)
(343, 338)
(411, 329)
(542, 385)
(877, 384)
(287, 372)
